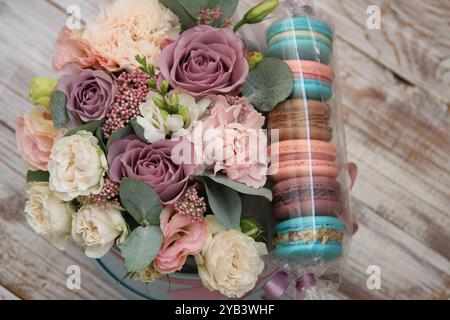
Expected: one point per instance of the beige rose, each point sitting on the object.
(48, 215)
(230, 261)
(97, 227)
(76, 166)
(148, 275)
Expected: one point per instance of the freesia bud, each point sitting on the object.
(41, 89)
(159, 103)
(254, 59)
(258, 13)
(184, 112)
(164, 87)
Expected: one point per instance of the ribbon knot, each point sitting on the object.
(281, 281)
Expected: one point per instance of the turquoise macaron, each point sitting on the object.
(311, 90)
(309, 239)
(300, 38)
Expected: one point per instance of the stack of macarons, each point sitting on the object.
(307, 196)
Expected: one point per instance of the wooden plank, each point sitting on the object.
(26, 51)
(399, 137)
(409, 268)
(30, 267)
(5, 294)
(413, 41)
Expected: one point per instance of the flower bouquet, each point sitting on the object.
(153, 144)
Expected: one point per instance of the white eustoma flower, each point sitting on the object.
(77, 166)
(157, 124)
(195, 111)
(230, 261)
(48, 215)
(152, 121)
(97, 227)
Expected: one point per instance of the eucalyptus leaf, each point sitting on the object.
(178, 7)
(267, 85)
(141, 247)
(58, 103)
(141, 201)
(138, 130)
(225, 203)
(119, 134)
(240, 187)
(90, 127)
(99, 135)
(187, 10)
(37, 176)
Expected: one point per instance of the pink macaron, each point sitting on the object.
(311, 70)
(301, 158)
(306, 196)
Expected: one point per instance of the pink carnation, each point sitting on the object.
(72, 48)
(234, 142)
(183, 236)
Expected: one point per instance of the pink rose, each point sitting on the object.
(71, 48)
(35, 136)
(182, 237)
(233, 141)
(205, 60)
(152, 164)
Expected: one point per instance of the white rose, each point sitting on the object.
(48, 215)
(148, 275)
(76, 167)
(230, 261)
(97, 227)
(158, 124)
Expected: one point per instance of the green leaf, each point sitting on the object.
(37, 176)
(268, 84)
(141, 247)
(119, 134)
(138, 130)
(141, 201)
(58, 103)
(225, 203)
(187, 10)
(99, 135)
(239, 187)
(90, 127)
(145, 67)
(187, 19)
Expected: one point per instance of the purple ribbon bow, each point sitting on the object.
(281, 281)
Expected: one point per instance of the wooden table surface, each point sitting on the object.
(395, 94)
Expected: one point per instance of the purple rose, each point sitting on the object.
(150, 163)
(205, 60)
(90, 93)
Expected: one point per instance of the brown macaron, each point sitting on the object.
(290, 119)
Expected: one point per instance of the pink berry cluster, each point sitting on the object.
(192, 205)
(239, 101)
(132, 90)
(208, 16)
(236, 100)
(109, 193)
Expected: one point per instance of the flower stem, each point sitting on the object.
(239, 25)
